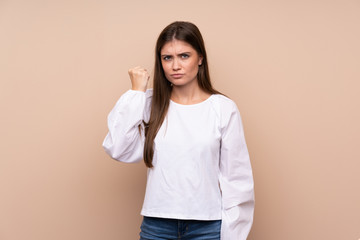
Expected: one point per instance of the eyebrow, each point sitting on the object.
(163, 55)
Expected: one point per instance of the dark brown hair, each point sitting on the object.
(189, 33)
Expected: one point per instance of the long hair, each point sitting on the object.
(189, 33)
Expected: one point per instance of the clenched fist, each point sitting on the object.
(139, 78)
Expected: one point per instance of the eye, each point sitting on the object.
(184, 55)
(166, 58)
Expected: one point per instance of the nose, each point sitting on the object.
(176, 65)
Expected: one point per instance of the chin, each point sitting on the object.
(178, 84)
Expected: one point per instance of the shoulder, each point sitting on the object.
(223, 103)
(225, 108)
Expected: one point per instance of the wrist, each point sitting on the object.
(138, 89)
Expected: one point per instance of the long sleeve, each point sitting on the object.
(125, 140)
(236, 180)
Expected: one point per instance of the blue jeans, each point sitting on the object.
(153, 228)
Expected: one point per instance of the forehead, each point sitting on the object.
(176, 46)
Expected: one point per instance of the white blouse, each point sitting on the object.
(201, 164)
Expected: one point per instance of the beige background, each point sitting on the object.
(293, 68)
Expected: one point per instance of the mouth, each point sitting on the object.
(177, 75)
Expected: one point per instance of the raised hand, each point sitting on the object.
(139, 78)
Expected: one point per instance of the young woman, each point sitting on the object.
(199, 183)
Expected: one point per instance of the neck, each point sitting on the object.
(188, 94)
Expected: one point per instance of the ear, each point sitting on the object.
(200, 60)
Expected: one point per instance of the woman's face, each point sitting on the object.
(180, 62)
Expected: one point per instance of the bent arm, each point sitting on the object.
(125, 139)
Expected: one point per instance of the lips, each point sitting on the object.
(177, 75)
